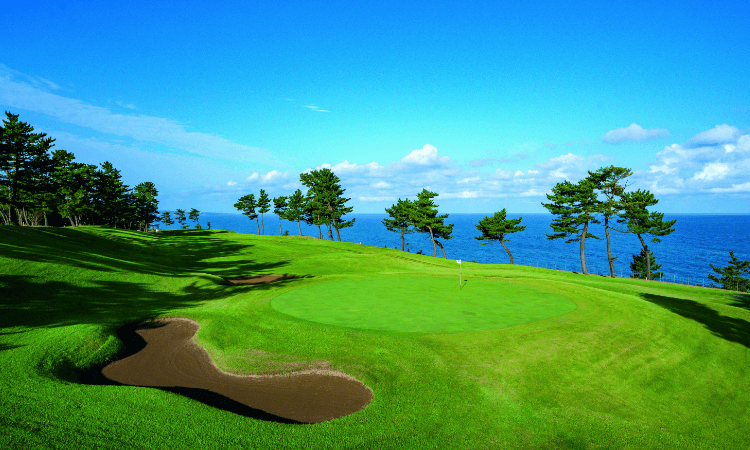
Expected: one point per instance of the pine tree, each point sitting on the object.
(166, 218)
(279, 208)
(607, 180)
(325, 189)
(147, 205)
(180, 216)
(246, 204)
(194, 215)
(576, 207)
(400, 218)
(426, 219)
(640, 222)
(731, 275)
(264, 205)
(296, 209)
(24, 159)
(496, 227)
(640, 267)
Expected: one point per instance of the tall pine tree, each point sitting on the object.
(575, 207)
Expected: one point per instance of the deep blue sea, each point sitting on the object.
(698, 239)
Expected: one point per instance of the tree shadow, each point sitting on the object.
(728, 328)
(132, 251)
(740, 300)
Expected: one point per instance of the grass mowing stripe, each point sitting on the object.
(635, 365)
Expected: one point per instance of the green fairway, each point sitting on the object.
(535, 359)
(421, 304)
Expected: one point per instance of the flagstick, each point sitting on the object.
(460, 272)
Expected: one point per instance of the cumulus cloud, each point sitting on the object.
(426, 156)
(713, 171)
(720, 134)
(231, 183)
(633, 133)
(33, 94)
(713, 161)
(273, 177)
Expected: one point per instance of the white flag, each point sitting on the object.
(458, 261)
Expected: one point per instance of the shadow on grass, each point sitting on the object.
(133, 343)
(729, 328)
(111, 250)
(740, 300)
(30, 301)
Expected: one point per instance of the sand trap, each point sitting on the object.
(172, 360)
(258, 279)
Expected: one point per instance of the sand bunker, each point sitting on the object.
(258, 279)
(172, 360)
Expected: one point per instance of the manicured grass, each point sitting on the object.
(421, 304)
(635, 365)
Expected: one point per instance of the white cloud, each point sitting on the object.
(744, 187)
(231, 183)
(426, 156)
(715, 160)
(29, 93)
(503, 174)
(381, 185)
(462, 194)
(518, 173)
(315, 108)
(720, 134)
(713, 171)
(633, 133)
(273, 177)
(469, 180)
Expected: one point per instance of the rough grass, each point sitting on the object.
(636, 364)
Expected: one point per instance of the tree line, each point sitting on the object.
(181, 218)
(323, 204)
(602, 194)
(40, 185)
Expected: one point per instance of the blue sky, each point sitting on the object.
(490, 104)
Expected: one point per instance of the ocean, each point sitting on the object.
(684, 255)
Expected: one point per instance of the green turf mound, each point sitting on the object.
(421, 304)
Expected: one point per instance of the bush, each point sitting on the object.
(638, 266)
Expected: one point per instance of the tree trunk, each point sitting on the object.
(12, 202)
(441, 248)
(330, 210)
(300, 228)
(432, 238)
(258, 225)
(583, 253)
(506, 249)
(648, 258)
(281, 233)
(402, 238)
(609, 251)
(320, 232)
(262, 224)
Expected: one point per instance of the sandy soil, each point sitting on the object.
(172, 360)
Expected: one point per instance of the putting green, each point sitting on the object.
(421, 304)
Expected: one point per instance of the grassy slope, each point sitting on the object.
(637, 364)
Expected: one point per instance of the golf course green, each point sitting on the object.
(421, 304)
(516, 357)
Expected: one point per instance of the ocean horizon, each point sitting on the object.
(684, 255)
